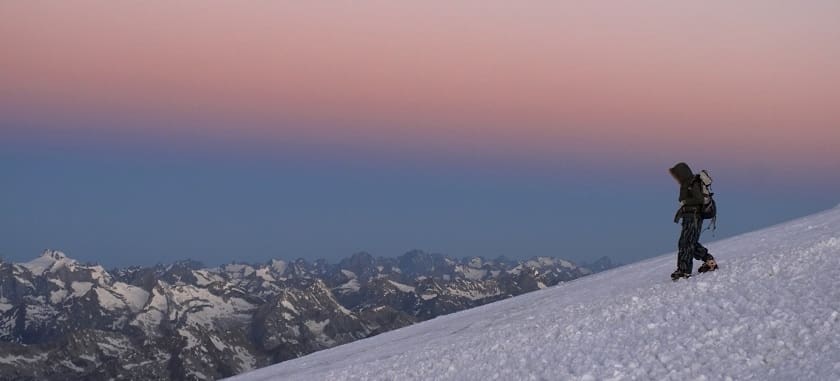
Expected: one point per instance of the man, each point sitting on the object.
(691, 205)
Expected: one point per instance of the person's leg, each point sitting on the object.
(701, 253)
(688, 242)
(709, 263)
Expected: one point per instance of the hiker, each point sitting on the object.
(694, 203)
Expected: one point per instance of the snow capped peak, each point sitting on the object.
(278, 265)
(99, 275)
(54, 254)
(238, 269)
(476, 262)
(50, 260)
(297, 306)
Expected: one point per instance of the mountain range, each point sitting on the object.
(61, 319)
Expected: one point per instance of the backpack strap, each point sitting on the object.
(713, 224)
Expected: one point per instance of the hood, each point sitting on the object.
(681, 172)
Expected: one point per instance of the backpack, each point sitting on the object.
(709, 210)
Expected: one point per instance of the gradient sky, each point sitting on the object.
(142, 132)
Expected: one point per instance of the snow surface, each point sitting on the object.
(472, 294)
(205, 277)
(120, 296)
(402, 287)
(49, 260)
(108, 300)
(80, 288)
(12, 359)
(5, 305)
(471, 273)
(154, 312)
(265, 275)
(279, 266)
(135, 297)
(351, 286)
(772, 312)
(289, 306)
(57, 296)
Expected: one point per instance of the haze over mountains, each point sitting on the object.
(60, 319)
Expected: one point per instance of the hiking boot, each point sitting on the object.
(708, 265)
(676, 275)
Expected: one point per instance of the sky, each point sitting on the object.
(145, 132)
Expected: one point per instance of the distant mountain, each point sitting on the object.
(60, 319)
(601, 264)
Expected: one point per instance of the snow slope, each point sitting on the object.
(771, 313)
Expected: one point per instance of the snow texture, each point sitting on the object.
(5, 305)
(49, 261)
(351, 286)
(772, 312)
(279, 266)
(108, 300)
(135, 297)
(471, 273)
(11, 359)
(402, 287)
(80, 288)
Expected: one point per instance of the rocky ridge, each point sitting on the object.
(60, 319)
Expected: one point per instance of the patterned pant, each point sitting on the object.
(689, 245)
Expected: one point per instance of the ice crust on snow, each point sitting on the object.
(772, 312)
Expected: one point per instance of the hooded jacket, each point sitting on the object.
(691, 193)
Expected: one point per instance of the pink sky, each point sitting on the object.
(757, 80)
